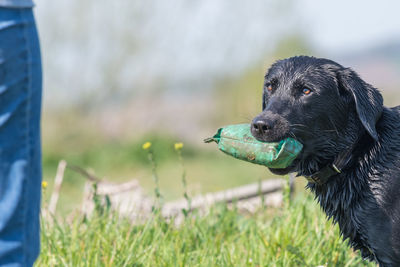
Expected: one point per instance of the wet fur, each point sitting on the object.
(365, 198)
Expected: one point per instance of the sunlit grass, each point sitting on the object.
(297, 235)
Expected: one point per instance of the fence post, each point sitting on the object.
(57, 186)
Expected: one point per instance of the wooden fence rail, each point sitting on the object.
(129, 200)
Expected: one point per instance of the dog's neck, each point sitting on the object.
(340, 194)
(340, 162)
(323, 164)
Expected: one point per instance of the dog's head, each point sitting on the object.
(318, 102)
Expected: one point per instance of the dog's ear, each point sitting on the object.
(368, 100)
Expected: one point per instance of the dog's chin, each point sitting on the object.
(282, 171)
(293, 167)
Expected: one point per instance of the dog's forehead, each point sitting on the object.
(295, 67)
(307, 69)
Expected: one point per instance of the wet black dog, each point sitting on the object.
(351, 153)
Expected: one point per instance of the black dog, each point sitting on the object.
(351, 153)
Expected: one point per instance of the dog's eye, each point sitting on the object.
(269, 87)
(306, 91)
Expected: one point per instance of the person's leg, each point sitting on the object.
(20, 153)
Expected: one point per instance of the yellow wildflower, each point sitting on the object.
(178, 146)
(146, 145)
(44, 184)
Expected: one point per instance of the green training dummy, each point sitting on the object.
(237, 141)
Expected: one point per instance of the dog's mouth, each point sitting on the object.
(295, 164)
(293, 167)
(272, 127)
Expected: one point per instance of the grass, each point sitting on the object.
(295, 235)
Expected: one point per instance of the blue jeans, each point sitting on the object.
(20, 150)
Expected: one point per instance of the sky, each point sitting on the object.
(344, 25)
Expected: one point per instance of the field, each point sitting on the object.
(296, 234)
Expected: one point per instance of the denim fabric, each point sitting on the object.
(20, 152)
(16, 3)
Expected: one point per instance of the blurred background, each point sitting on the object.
(120, 73)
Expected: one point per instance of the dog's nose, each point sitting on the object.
(269, 127)
(261, 126)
